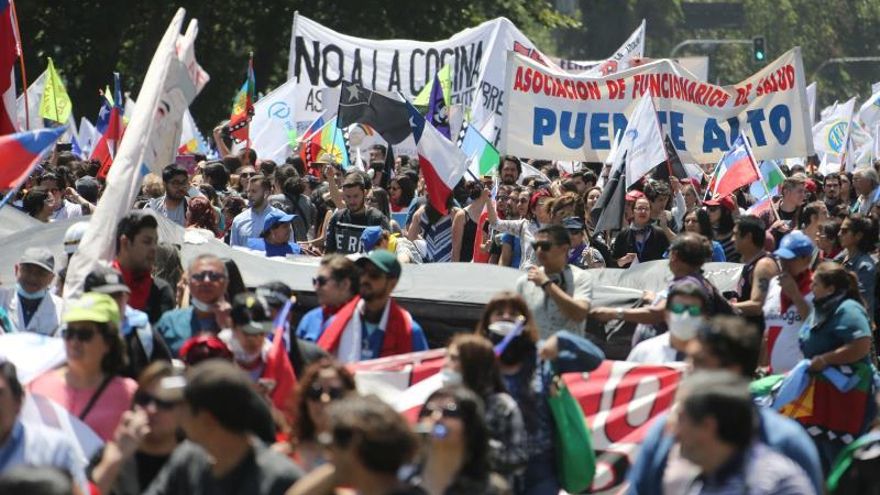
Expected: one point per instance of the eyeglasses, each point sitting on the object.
(542, 245)
(207, 276)
(320, 281)
(450, 410)
(80, 334)
(246, 175)
(641, 208)
(144, 399)
(502, 198)
(316, 392)
(679, 308)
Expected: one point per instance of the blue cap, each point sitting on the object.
(574, 223)
(370, 237)
(274, 218)
(795, 244)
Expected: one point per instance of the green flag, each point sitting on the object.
(55, 105)
(424, 96)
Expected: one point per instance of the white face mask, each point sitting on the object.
(502, 327)
(201, 306)
(683, 326)
(239, 353)
(450, 377)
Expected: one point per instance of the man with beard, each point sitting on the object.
(373, 325)
(249, 223)
(347, 224)
(172, 205)
(137, 242)
(832, 193)
(510, 170)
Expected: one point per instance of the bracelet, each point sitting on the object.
(545, 284)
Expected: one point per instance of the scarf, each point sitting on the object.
(344, 334)
(825, 307)
(140, 285)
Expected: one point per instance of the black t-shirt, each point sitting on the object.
(345, 229)
(148, 466)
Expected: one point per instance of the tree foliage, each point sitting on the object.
(89, 39)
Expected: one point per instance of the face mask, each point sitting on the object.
(684, 326)
(501, 328)
(30, 295)
(239, 353)
(201, 306)
(450, 377)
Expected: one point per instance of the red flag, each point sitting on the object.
(278, 367)
(736, 169)
(10, 50)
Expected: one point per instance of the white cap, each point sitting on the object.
(73, 235)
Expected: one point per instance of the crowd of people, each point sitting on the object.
(175, 368)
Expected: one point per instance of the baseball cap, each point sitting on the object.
(105, 280)
(73, 235)
(384, 260)
(274, 293)
(726, 202)
(574, 223)
(251, 314)
(795, 244)
(370, 237)
(92, 306)
(634, 195)
(273, 218)
(40, 257)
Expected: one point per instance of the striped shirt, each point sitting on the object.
(438, 238)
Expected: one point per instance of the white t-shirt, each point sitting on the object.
(548, 317)
(655, 350)
(781, 329)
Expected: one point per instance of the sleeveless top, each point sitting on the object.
(782, 327)
(744, 288)
(438, 238)
(468, 237)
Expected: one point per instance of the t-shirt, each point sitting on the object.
(345, 228)
(548, 317)
(782, 327)
(847, 323)
(188, 472)
(654, 351)
(177, 215)
(104, 414)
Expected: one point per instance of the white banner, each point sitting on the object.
(831, 134)
(557, 116)
(321, 58)
(629, 52)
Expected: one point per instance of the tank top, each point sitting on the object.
(744, 288)
(782, 327)
(467, 240)
(438, 238)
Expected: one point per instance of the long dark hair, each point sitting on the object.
(834, 275)
(479, 366)
(512, 300)
(476, 433)
(303, 426)
(116, 359)
(407, 190)
(725, 223)
(381, 201)
(703, 222)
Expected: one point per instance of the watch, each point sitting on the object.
(545, 284)
(618, 314)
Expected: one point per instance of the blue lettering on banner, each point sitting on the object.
(778, 115)
(571, 139)
(778, 121)
(544, 125)
(713, 137)
(755, 117)
(572, 127)
(676, 130)
(599, 132)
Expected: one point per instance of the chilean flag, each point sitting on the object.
(736, 169)
(22, 151)
(442, 164)
(10, 50)
(278, 367)
(111, 129)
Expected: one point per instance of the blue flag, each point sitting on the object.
(438, 112)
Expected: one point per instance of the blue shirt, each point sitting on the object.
(782, 434)
(516, 249)
(848, 323)
(247, 224)
(272, 250)
(35, 445)
(313, 324)
(178, 325)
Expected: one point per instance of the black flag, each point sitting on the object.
(673, 165)
(608, 212)
(389, 117)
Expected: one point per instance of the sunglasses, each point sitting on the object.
(679, 308)
(542, 245)
(80, 334)
(246, 175)
(144, 399)
(449, 411)
(207, 276)
(320, 281)
(317, 392)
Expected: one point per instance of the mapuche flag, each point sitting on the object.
(243, 106)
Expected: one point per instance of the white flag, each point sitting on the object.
(530, 171)
(831, 134)
(811, 101)
(31, 119)
(273, 127)
(869, 113)
(642, 141)
(167, 90)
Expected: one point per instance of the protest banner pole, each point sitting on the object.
(9, 195)
(250, 104)
(27, 116)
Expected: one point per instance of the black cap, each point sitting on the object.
(274, 293)
(251, 314)
(105, 280)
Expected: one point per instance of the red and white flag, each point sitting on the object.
(442, 163)
(10, 50)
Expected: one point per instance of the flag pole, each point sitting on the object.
(27, 116)
(760, 177)
(249, 104)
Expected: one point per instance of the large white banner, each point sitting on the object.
(321, 58)
(554, 115)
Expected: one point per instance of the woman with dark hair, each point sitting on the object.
(235, 285)
(323, 382)
(90, 386)
(442, 233)
(721, 218)
(839, 336)
(858, 237)
(232, 206)
(527, 369)
(471, 361)
(847, 195)
(143, 441)
(39, 203)
(201, 215)
(641, 241)
(401, 191)
(828, 239)
(209, 192)
(455, 451)
(697, 220)
(378, 199)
